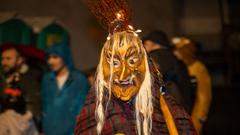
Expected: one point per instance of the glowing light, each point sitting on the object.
(135, 34)
(175, 40)
(187, 41)
(130, 27)
(138, 31)
(182, 40)
(118, 15)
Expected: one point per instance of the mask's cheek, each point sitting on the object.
(106, 70)
(117, 91)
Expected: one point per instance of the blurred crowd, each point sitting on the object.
(41, 91)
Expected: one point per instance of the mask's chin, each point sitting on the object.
(125, 98)
(124, 90)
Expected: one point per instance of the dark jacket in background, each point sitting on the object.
(175, 76)
(29, 83)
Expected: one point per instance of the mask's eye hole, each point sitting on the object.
(116, 63)
(133, 60)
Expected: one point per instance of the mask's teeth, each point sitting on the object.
(126, 82)
(131, 79)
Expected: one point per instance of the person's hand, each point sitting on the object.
(198, 125)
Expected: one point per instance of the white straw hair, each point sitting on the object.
(99, 86)
(143, 105)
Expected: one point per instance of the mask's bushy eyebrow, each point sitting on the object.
(108, 54)
(131, 51)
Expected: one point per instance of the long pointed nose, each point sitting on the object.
(122, 72)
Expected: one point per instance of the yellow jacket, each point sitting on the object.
(203, 93)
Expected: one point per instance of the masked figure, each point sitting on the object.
(127, 97)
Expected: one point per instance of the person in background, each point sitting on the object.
(15, 68)
(175, 74)
(185, 50)
(63, 92)
(15, 119)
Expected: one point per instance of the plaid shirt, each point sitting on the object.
(120, 117)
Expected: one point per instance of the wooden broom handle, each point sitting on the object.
(168, 117)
